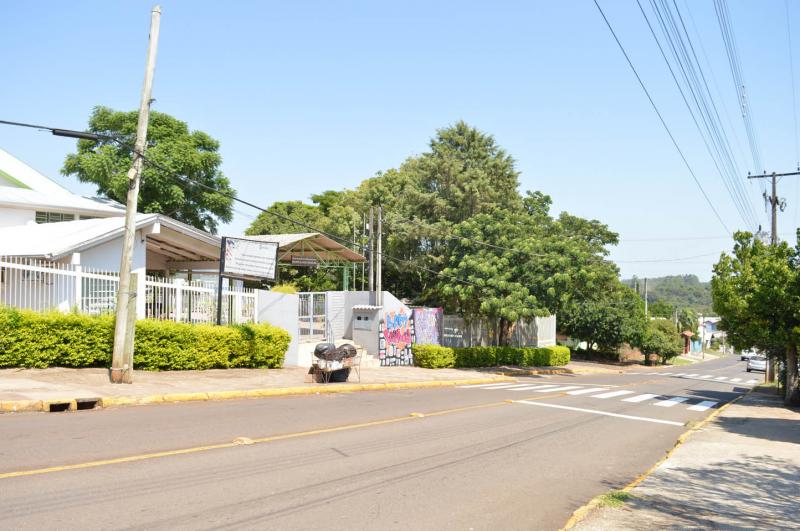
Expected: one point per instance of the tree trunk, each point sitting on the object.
(792, 382)
(506, 329)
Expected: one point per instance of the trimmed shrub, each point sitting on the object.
(434, 356)
(40, 340)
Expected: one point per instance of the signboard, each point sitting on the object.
(248, 258)
(304, 261)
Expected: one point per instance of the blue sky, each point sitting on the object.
(309, 96)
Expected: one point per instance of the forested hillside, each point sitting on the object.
(679, 291)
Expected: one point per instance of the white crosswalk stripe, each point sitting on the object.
(488, 386)
(752, 381)
(706, 376)
(528, 387)
(736, 379)
(585, 391)
(639, 398)
(721, 378)
(564, 388)
(513, 387)
(671, 402)
(702, 406)
(612, 394)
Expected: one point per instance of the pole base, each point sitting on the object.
(119, 376)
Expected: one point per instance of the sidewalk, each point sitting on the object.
(34, 389)
(739, 471)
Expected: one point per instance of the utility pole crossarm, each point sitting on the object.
(771, 175)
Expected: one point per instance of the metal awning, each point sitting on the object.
(310, 245)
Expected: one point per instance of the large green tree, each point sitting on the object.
(177, 152)
(756, 293)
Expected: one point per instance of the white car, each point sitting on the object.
(757, 363)
(747, 354)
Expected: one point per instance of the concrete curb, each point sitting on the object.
(12, 406)
(532, 372)
(582, 512)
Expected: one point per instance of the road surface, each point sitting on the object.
(501, 456)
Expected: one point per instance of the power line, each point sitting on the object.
(723, 160)
(791, 72)
(660, 117)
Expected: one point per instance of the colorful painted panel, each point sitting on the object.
(396, 336)
(428, 326)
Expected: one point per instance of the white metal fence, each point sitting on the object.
(536, 332)
(42, 286)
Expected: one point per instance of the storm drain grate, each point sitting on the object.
(55, 407)
(86, 403)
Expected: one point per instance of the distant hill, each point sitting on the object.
(681, 291)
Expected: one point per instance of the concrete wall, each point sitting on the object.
(281, 309)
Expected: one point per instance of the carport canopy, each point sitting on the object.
(310, 245)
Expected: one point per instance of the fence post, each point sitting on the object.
(141, 293)
(237, 309)
(178, 299)
(77, 296)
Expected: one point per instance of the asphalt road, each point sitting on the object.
(518, 456)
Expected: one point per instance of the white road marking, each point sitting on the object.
(604, 413)
(557, 389)
(527, 387)
(680, 374)
(513, 387)
(671, 402)
(692, 375)
(721, 378)
(488, 386)
(736, 379)
(752, 381)
(706, 376)
(666, 373)
(702, 406)
(584, 391)
(612, 394)
(545, 387)
(639, 398)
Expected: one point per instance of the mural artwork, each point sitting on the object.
(396, 336)
(428, 325)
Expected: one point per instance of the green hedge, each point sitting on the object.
(436, 357)
(39, 340)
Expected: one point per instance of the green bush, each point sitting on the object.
(434, 356)
(39, 340)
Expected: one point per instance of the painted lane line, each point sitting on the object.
(721, 378)
(692, 375)
(672, 401)
(736, 379)
(680, 374)
(478, 386)
(584, 391)
(612, 394)
(702, 406)
(706, 376)
(564, 388)
(639, 398)
(596, 412)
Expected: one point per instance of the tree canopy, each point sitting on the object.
(172, 146)
(756, 293)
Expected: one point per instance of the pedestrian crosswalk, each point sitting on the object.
(711, 377)
(601, 393)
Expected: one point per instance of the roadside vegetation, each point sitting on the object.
(756, 293)
(40, 340)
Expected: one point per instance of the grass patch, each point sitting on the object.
(614, 499)
(680, 361)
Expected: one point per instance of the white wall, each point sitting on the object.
(11, 217)
(281, 309)
(107, 256)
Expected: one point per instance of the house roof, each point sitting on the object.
(33, 199)
(309, 245)
(21, 186)
(52, 241)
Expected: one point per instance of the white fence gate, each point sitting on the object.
(44, 286)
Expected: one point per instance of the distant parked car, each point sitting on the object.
(757, 363)
(747, 354)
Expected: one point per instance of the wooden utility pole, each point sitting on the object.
(124, 328)
(775, 203)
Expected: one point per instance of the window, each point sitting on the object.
(88, 217)
(53, 217)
